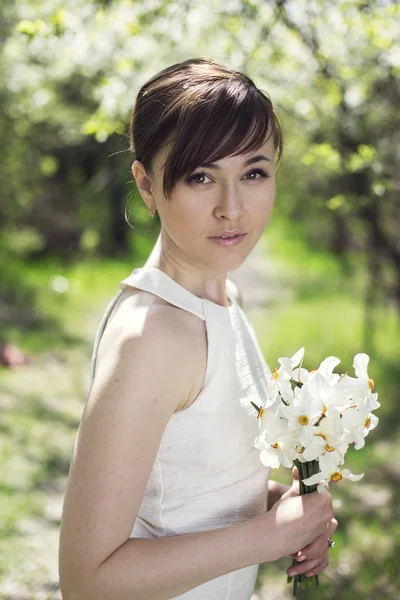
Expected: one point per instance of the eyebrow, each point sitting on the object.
(250, 161)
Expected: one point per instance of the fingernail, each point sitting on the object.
(310, 574)
(292, 573)
(301, 558)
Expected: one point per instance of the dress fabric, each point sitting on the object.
(207, 473)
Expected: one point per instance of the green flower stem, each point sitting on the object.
(306, 469)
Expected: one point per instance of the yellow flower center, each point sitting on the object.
(303, 420)
(371, 384)
(367, 423)
(275, 374)
(275, 445)
(260, 413)
(336, 476)
(324, 410)
(329, 448)
(320, 435)
(302, 450)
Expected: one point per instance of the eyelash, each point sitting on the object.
(202, 174)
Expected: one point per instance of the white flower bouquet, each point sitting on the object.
(310, 420)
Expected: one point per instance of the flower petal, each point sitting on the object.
(349, 475)
(296, 358)
(323, 486)
(314, 479)
(269, 459)
(360, 364)
(327, 366)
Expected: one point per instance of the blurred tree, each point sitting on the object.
(357, 133)
(70, 72)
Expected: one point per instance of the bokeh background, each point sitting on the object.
(328, 264)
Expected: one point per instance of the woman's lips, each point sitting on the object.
(231, 241)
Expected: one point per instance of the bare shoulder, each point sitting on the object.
(143, 322)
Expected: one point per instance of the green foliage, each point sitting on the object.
(323, 156)
(73, 69)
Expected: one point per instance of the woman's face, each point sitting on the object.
(233, 193)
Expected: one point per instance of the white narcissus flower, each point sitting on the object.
(360, 386)
(271, 425)
(330, 395)
(358, 422)
(302, 415)
(274, 441)
(278, 453)
(280, 378)
(360, 364)
(330, 472)
(371, 400)
(326, 368)
(329, 437)
(318, 419)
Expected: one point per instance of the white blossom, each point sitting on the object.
(274, 441)
(330, 472)
(279, 383)
(358, 422)
(302, 415)
(315, 415)
(329, 437)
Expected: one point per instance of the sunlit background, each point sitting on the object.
(325, 276)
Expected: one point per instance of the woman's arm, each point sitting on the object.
(163, 568)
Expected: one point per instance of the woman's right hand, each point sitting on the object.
(292, 523)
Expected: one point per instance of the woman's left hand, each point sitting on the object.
(316, 554)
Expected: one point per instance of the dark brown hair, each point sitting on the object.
(206, 111)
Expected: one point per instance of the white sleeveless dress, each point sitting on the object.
(207, 473)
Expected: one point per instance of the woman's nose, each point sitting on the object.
(229, 204)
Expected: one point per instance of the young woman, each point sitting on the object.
(167, 497)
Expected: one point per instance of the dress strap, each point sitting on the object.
(151, 279)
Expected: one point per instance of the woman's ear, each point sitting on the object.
(143, 181)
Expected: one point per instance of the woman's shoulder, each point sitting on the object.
(137, 311)
(144, 322)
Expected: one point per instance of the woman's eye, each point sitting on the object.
(259, 172)
(196, 177)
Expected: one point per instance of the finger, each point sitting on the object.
(319, 545)
(331, 527)
(317, 569)
(294, 490)
(295, 473)
(316, 549)
(305, 567)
